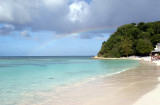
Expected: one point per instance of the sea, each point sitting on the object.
(29, 74)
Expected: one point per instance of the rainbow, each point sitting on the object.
(53, 41)
(39, 48)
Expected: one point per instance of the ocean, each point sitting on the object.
(26, 75)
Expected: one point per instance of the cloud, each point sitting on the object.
(53, 4)
(66, 16)
(78, 11)
(6, 29)
(25, 34)
(18, 12)
(116, 12)
(90, 36)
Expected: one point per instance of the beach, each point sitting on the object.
(128, 88)
(146, 59)
(137, 86)
(58, 80)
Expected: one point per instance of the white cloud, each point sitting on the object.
(5, 12)
(19, 12)
(78, 11)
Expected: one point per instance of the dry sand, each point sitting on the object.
(151, 98)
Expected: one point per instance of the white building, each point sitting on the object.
(157, 49)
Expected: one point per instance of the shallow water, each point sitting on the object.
(124, 88)
(22, 76)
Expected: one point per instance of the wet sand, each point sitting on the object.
(126, 88)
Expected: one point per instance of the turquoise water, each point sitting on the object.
(19, 75)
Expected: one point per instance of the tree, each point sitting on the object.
(133, 24)
(155, 39)
(134, 32)
(157, 27)
(144, 35)
(132, 39)
(126, 46)
(141, 26)
(151, 31)
(144, 47)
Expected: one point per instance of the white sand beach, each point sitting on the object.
(150, 97)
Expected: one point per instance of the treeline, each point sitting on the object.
(132, 39)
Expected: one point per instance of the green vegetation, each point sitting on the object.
(132, 39)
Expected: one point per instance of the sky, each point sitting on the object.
(66, 27)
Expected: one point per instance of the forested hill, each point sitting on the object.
(132, 39)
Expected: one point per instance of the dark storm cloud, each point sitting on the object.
(119, 12)
(63, 17)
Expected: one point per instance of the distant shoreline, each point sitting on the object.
(142, 59)
(133, 58)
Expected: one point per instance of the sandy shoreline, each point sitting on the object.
(150, 97)
(127, 88)
(142, 87)
(142, 59)
(133, 58)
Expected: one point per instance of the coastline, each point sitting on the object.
(142, 59)
(151, 97)
(132, 58)
(125, 88)
(142, 86)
